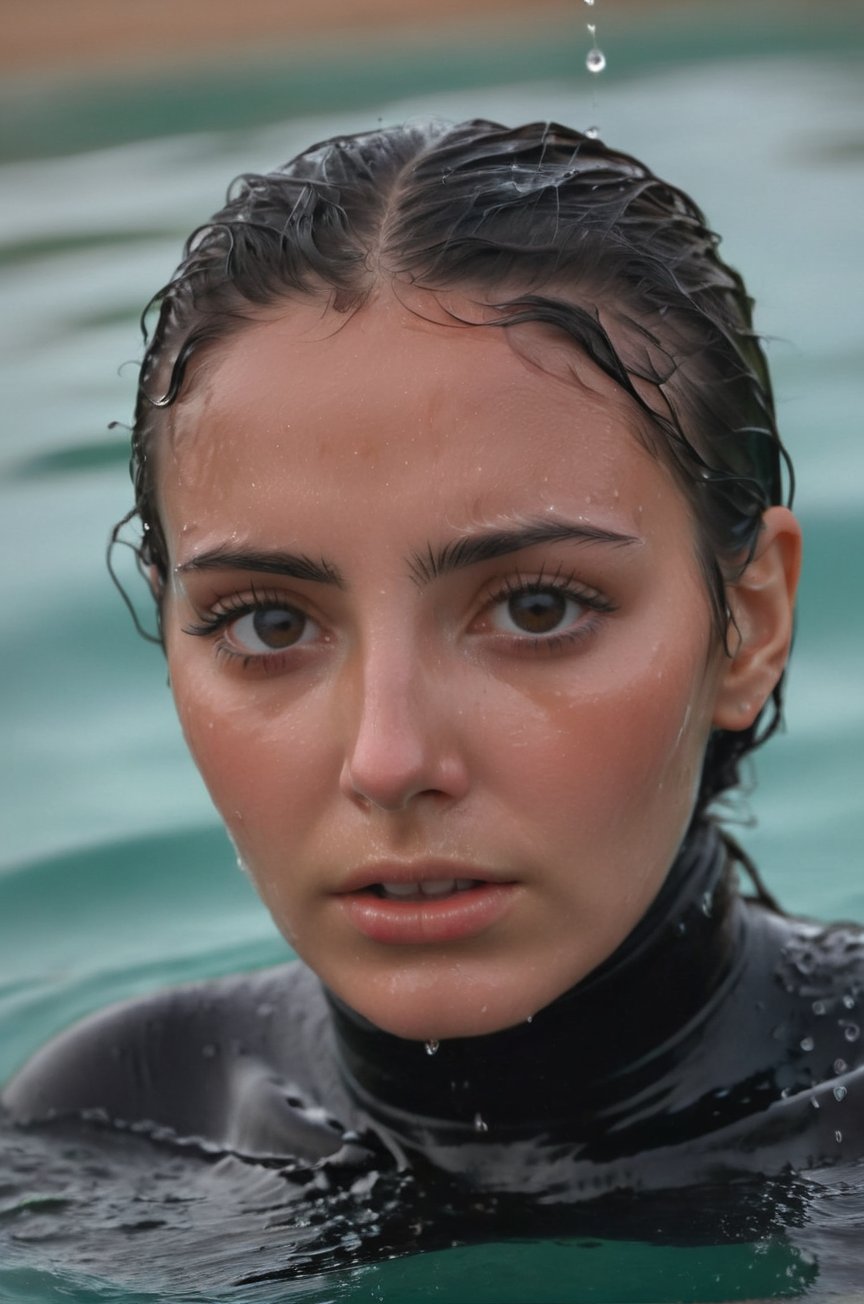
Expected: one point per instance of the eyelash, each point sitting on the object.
(213, 622)
(567, 586)
(217, 619)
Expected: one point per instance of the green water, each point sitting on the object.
(114, 877)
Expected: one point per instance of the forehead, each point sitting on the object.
(327, 414)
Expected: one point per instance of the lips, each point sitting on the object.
(412, 905)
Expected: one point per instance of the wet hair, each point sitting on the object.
(542, 224)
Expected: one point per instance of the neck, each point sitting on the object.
(596, 1047)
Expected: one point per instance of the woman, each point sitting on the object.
(460, 492)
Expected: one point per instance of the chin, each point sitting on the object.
(430, 1015)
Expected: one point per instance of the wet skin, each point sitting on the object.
(435, 615)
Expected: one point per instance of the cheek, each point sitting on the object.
(259, 766)
(621, 749)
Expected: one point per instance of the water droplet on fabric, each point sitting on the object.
(595, 61)
(707, 904)
(818, 1007)
(851, 1032)
(807, 1043)
(431, 1046)
(840, 1066)
(480, 1124)
(840, 1092)
(592, 132)
(815, 1103)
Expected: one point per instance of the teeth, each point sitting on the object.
(436, 887)
(430, 887)
(401, 889)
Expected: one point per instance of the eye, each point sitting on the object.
(269, 629)
(537, 610)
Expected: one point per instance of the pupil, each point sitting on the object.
(537, 613)
(278, 627)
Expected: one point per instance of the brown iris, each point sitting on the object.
(537, 613)
(278, 627)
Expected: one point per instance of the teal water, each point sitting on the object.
(114, 876)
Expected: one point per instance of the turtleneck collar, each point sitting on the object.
(604, 1041)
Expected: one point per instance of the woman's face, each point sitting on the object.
(441, 648)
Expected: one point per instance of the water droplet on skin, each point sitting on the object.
(807, 1043)
(595, 61)
(589, 2)
(480, 1124)
(530, 1018)
(818, 1007)
(851, 1032)
(840, 1092)
(840, 1066)
(431, 1046)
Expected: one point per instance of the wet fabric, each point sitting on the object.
(721, 1040)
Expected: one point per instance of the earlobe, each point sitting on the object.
(762, 603)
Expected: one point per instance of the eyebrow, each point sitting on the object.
(484, 545)
(296, 565)
(456, 554)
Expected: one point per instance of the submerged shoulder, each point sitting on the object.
(170, 1058)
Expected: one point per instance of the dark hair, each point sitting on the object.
(550, 226)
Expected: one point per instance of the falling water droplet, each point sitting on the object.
(840, 1092)
(707, 904)
(595, 60)
(851, 1032)
(815, 1103)
(849, 1002)
(838, 1136)
(807, 1043)
(818, 1007)
(432, 1046)
(480, 1124)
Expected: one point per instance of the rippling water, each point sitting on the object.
(115, 877)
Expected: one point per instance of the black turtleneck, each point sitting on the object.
(719, 1037)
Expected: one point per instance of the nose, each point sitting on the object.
(403, 741)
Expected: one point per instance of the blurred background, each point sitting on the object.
(120, 127)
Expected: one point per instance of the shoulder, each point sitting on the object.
(183, 1061)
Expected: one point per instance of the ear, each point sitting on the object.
(762, 603)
